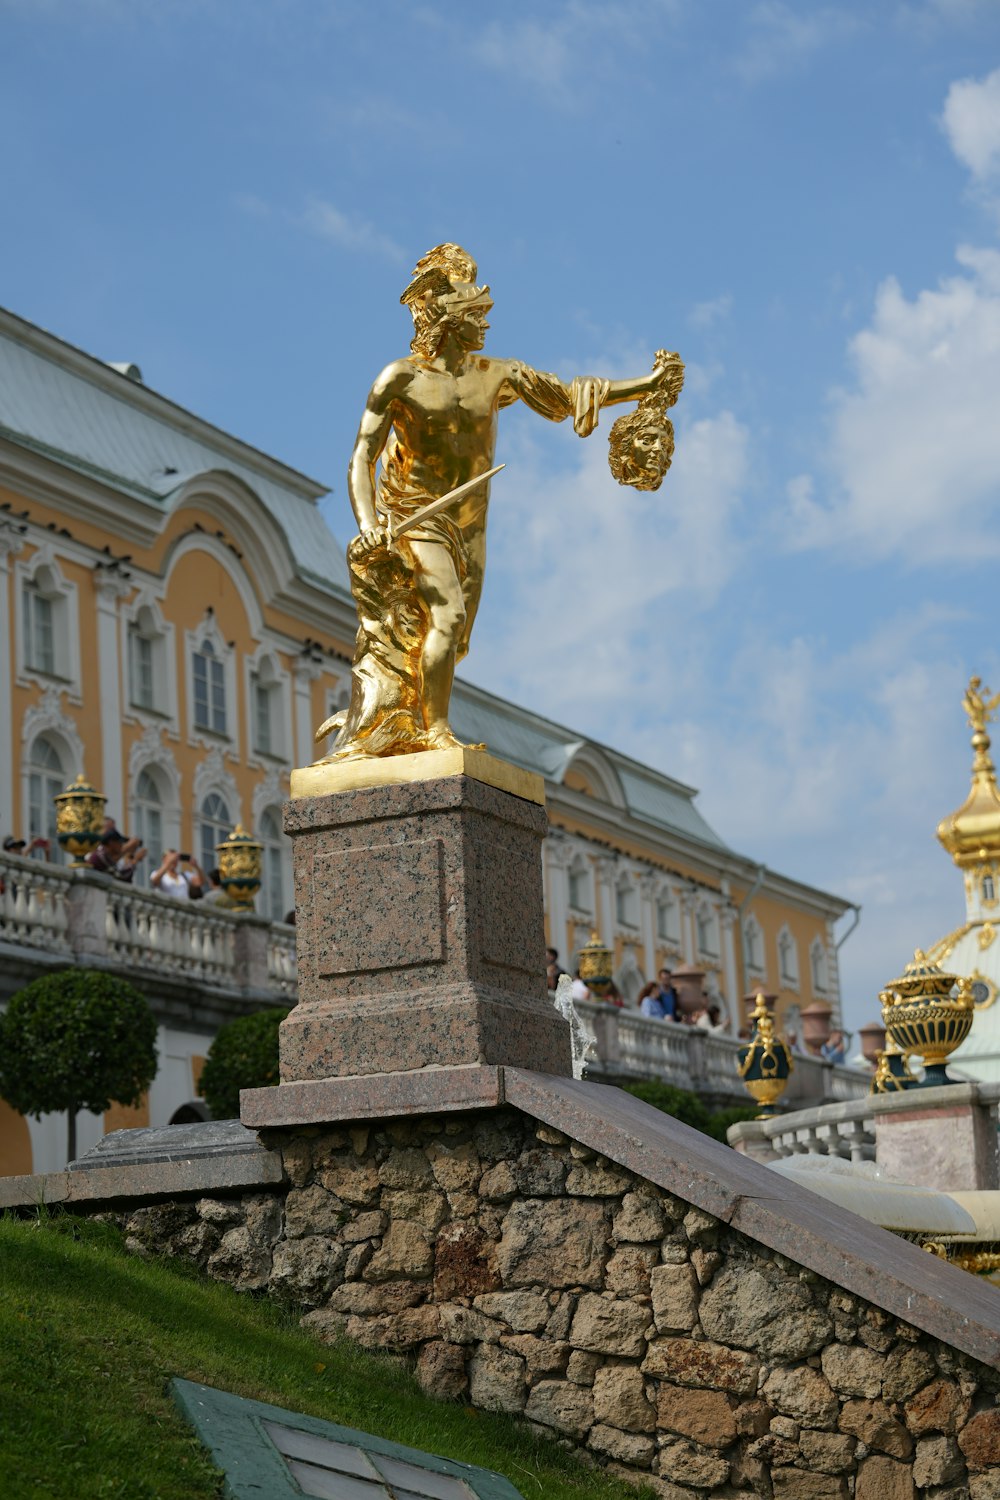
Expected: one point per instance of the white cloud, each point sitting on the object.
(971, 121)
(914, 462)
(349, 231)
(783, 37)
(715, 310)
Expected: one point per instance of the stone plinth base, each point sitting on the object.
(944, 1138)
(420, 937)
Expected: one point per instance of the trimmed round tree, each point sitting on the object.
(244, 1055)
(77, 1039)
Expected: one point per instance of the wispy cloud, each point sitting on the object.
(349, 231)
(715, 310)
(781, 38)
(971, 121)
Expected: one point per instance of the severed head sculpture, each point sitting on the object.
(641, 444)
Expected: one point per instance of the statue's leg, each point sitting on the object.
(472, 583)
(438, 585)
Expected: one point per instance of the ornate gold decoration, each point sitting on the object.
(972, 834)
(79, 819)
(596, 962)
(984, 991)
(641, 444)
(978, 1262)
(944, 947)
(986, 935)
(892, 1071)
(765, 1064)
(430, 423)
(240, 867)
(928, 1012)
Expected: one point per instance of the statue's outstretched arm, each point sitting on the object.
(373, 434)
(583, 397)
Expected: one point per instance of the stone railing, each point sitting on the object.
(88, 918)
(845, 1129)
(627, 1045)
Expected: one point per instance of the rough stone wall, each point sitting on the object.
(524, 1273)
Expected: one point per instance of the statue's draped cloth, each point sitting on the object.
(385, 715)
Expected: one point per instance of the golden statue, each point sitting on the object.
(641, 444)
(417, 564)
(979, 710)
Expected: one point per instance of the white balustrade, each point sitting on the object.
(33, 904)
(281, 961)
(149, 931)
(843, 1129)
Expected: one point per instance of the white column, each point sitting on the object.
(604, 900)
(306, 672)
(647, 921)
(727, 926)
(689, 947)
(110, 589)
(11, 542)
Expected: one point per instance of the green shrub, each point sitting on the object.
(77, 1039)
(685, 1106)
(244, 1055)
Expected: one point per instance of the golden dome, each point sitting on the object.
(972, 834)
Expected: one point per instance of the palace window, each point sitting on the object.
(788, 958)
(707, 932)
(988, 890)
(754, 945)
(627, 905)
(147, 823)
(209, 685)
(579, 887)
(39, 629)
(668, 923)
(214, 827)
(818, 967)
(47, 777)
(276, 903)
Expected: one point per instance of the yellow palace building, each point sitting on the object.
(176, 621)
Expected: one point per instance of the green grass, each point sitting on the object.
(90, 1338)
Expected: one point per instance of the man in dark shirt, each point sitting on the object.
(116, 855)
(668, 995)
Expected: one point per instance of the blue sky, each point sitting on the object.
(804, 199)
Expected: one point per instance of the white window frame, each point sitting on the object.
(627, 905)
(144, 619)
(47, 820)
(753, 944)
(264, 672)
(819, 967)
(580, 870)
(42, 574)
(227, 824)
(708, 935)
(200, 734)
(788, 959)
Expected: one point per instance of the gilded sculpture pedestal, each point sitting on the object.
(419, 922)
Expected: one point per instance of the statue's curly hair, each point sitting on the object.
(433, 283)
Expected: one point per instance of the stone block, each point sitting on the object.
(938, 1407)
(674, 1291)
(496, 1380)
(685, 1463)
(441, 1370)
(884, 1479)
(947, 1146)
(563, 1405)
(759, 1307)
(405, 1252)
(419, 912)
(464, 1262)
(979, 1440)
(905, 1370)
(627, 1447)
(853, 1370)
(627, 1273)
(606, 1326)
(395, 1332)
(707, 1417)
(553, 1242)
(796, 1484)
(306, 1270)
(873, 1423)
(541, 1356)
(524, 1312)
(803, 1393)
(620, 1399)
(828, 1452)
(703, 1364)
(639, 1221)
(937, 1461)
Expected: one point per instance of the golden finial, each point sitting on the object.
(972, 834)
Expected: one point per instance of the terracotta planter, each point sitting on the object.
(688, 982)
(816, 1025)
(872, 1041)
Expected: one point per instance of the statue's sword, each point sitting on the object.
(397, 528)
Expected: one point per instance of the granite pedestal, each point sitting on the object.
(420, 937)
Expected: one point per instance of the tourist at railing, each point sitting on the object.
(652, 1004)
(213, 893)
(553, 969)
(116, 855)
(834, 1049)
(710, 1019)
(179, 876)
(579, 990)
(794, 1042)
(668, 994)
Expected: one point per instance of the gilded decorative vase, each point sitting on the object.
(765, 1063)
(892, 1072)
(928, 1012)
(79, 819)
(239, 867)
(595, 966)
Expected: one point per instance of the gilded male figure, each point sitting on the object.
(431, 418)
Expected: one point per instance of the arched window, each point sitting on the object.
(988, 890)
(209, 686)
(788, 958)
(627, 904)
(818, 966)
(668, 925)
(147, 662)
(147, 823)
(39, 625)
(707, 932)
(47, 777)
(214, 827)
(753, 940)
(580, 886)
(273, 888)
(267, 731)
